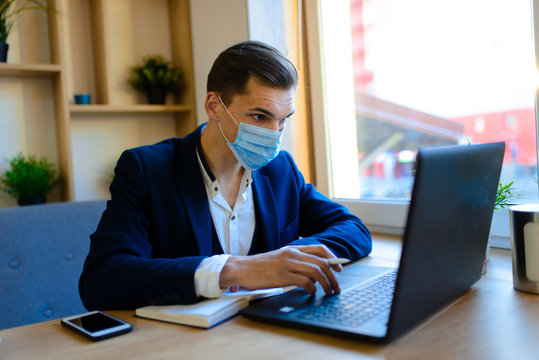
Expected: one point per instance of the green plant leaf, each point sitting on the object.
(504, 195)
(28, 177)
(9, 9)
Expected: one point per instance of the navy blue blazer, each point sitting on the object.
(157, 227)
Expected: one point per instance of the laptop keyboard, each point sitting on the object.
(354, 307)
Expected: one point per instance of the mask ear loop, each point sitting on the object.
(222, 133)
(232, 117)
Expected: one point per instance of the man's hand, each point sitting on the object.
(292, 265)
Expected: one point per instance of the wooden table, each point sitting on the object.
(491, 321)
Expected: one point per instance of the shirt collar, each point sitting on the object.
(210, 180)
(202, 161)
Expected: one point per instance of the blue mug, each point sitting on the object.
(82, 99)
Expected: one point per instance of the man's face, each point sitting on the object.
(262, 106)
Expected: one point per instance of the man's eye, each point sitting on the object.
(259, 117)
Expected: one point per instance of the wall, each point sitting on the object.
(27, 122)
(98, 141)
(27, 113)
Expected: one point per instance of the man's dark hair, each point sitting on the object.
(233, 67)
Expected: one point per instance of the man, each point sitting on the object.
(221, 208)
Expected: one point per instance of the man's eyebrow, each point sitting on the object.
(269, 113)
(262, 110)
(292, 113)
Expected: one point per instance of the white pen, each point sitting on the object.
(338, 261)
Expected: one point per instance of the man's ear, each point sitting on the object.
(212, 106)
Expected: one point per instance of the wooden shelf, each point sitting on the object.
(127, 109)
(90, 51)
(39, 70)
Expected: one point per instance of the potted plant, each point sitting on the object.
(156, 77)
(29, 180)
(9, 9)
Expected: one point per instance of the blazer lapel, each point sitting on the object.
(266, 215)
(191, 188)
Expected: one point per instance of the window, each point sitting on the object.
(401, 74)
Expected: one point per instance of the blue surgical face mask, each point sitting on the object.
(254, 146)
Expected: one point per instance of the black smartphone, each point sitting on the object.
(96, 325)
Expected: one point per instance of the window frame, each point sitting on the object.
(388, 217)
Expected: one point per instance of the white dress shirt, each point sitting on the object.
(234, 227)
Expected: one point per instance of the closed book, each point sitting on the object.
(206, 313)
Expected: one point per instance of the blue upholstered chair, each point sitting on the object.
(42, 251)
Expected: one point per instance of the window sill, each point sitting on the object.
(388, 217)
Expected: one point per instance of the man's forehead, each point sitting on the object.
(256, 91)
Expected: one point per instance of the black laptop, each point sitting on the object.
(442, 255)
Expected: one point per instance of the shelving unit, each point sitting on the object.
(92, 45)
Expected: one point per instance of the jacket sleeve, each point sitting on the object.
(120, 271)
(323, 221)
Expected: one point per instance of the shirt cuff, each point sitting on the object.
(207, 276)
